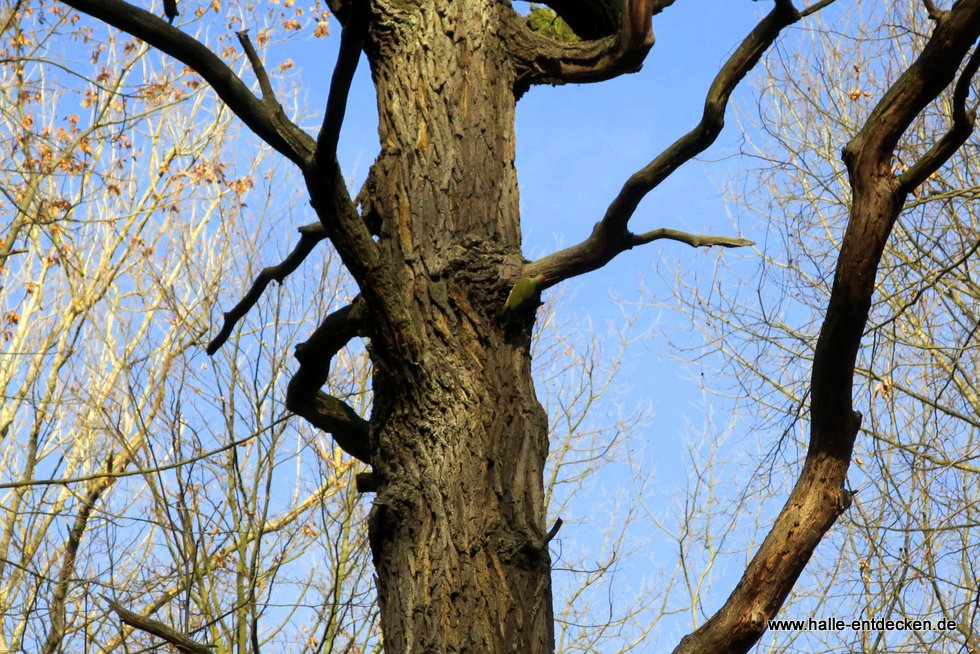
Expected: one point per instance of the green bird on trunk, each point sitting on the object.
(525, 291)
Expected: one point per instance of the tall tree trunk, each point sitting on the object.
(460, 439)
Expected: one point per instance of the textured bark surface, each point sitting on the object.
(460, 440)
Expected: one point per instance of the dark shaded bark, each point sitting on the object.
(589, 19)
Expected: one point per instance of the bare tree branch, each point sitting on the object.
(963, 124)
(815, 7)
(935, 13)
(184, 643)
(57, 616)
(819, 496)
(610, 237)
(351, 42)
(273, 127)
(268, 95)
(303, 395)
(694, 240)
(310, 235)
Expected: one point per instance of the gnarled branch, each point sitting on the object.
(541, 60)
(273, 127)
(304, 396)
(310, 235)
(819, 496)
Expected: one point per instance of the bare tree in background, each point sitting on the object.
(456, 439)
(906, 546)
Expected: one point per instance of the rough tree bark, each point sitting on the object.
(460, 439)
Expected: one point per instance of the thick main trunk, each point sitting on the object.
(458, 524)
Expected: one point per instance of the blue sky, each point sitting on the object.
(576, 146)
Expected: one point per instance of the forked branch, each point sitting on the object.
(959, 131)
(271, 126)
(611, 235)
(310, 235)
(819, 496)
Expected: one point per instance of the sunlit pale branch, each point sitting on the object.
(304, 396)
(694, 240)
(271, 126)
(310, 235)
(611, 236)
(184, 643)
(66, 575)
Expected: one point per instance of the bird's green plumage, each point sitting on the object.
(524, 291)
(588, 19)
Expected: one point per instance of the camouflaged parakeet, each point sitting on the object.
(587, 19)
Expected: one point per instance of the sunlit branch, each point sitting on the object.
(310, 235)
(694, 240)
(57, 610)
(184, 643)
(273, 127)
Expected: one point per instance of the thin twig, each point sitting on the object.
(268, 95)
(310, 235)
